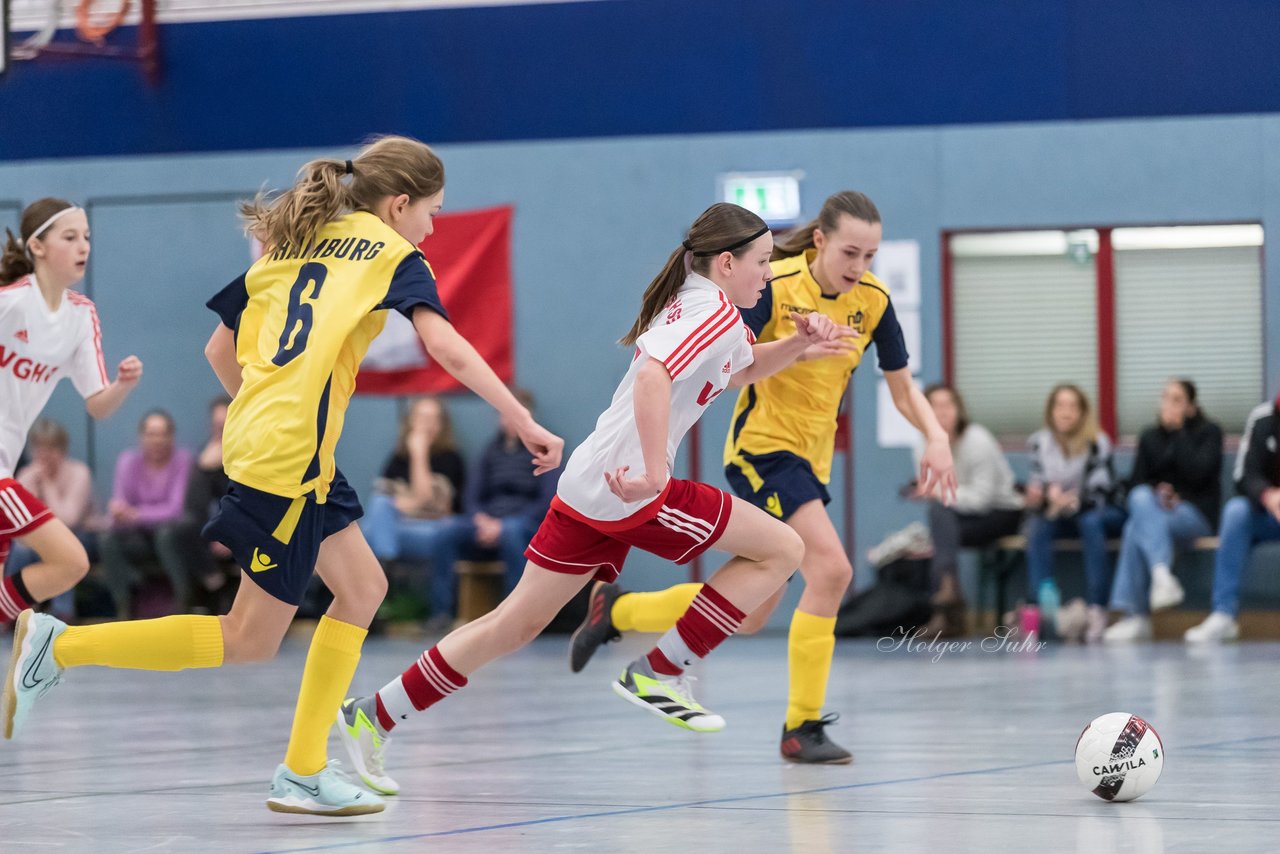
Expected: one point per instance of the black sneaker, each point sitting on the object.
(808, 743)
(597, 628)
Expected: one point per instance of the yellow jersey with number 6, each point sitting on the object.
(303, 318)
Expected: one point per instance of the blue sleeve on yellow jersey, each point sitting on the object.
(412, 286)
(891, 347)
(758, 315)
(230, 301)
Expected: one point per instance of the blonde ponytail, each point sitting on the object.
(387, 166)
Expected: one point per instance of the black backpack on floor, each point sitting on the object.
(898, 602)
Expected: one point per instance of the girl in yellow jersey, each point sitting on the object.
(778, 454)
(341, 251)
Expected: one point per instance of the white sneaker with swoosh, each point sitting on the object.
(32, 670)
(328, 792)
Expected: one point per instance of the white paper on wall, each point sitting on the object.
(892, 429)
(898, 265)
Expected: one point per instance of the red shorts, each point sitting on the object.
(687, 520)
(20, 513)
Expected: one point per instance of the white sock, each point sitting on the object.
(395, 699)
(1161, 570)
(672, 645)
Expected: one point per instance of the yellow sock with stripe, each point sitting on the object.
(810, 644)
(168, 643)
(331, 662)
(652, 612)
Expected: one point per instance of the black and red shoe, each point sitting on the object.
(597, 627)
(808, 743)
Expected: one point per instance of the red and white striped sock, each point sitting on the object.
(710, 619)
(427, 681)
(12, 599)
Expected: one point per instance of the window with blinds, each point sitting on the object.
(1188, 304)
(1187, 301)
(1024, 319)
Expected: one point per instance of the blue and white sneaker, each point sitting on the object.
(326, 793)
(32, 670)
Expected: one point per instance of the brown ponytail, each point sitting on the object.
(15, 262)
(722, 224)
(388, 166)
(850, 202)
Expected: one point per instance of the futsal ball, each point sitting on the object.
(1119, 757)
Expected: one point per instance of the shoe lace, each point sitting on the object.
(378, 754)
(334, 766)
(682, 685)
(819, 726)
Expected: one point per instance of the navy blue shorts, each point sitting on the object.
(276, 539)
(786, 481)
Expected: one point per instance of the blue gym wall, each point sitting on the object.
(595, 220)
(624, 163)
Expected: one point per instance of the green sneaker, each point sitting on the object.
(366, 747)
(326, 793)
(32, 670)
(668, 697)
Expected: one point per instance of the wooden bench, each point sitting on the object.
(1002, 558)
(480, 585)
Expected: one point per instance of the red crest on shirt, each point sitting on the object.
(21, 335)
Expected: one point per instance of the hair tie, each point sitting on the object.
(351, 169)
(687, 245)
(728, 248)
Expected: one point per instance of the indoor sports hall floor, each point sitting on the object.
(969, 753)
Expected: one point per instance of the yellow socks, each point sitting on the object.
(809, 647)
(331, 662)
(652, 612)
(169, 643)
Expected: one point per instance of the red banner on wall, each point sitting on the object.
(470, 253)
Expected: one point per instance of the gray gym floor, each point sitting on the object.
(971, 752)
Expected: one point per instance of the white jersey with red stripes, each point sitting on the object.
(38, 347)
(702, 341)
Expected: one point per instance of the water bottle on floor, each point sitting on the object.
(1050, 600)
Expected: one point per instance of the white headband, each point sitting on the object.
(48, 222)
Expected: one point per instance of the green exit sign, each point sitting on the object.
(774, 196)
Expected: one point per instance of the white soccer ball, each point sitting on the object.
(1119, 757)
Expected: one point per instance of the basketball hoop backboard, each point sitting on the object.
(95, 30)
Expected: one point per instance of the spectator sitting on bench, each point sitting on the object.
(505, 501)
(1174, 493)
(410, 516)
(1251, 517)
(146, 513)
(1070, 492)
(986, 507)
(65, 486)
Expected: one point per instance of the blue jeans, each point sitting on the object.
(516, 533)
(1243, 524)
(393, 536)
(20, 557)
(1093, 527)
(1150, 537)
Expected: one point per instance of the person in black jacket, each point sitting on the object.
(1174, 495)
(1251, 517)
(214, 574)
(505, 501)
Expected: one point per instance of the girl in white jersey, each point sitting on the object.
(47, 332)
(617, 492)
